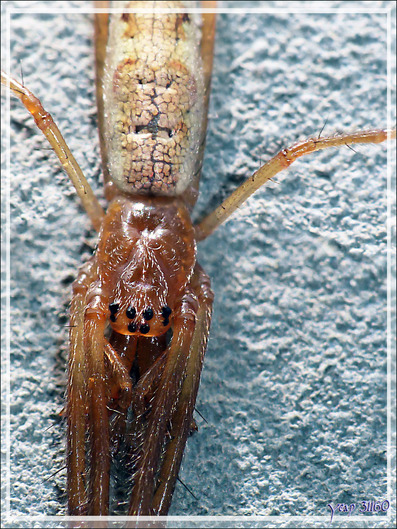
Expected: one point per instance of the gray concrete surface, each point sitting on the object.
(294, 386)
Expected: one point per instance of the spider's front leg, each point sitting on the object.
(176, 377)
(77, 402)
(88, 395)
(94, 328)
(182, 417)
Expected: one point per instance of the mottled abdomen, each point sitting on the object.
(153, 91)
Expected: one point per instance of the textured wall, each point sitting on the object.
(294, 383)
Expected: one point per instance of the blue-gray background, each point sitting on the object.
(294, 384)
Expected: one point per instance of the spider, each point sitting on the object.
(253, 240)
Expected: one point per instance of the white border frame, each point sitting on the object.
(245, 521)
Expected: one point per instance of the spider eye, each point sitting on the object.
(166, 311)
(131, 313)
(132, 327)
(114, 307)
(148, 314)
(144, 328)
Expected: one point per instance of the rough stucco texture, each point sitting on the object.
(294, 385)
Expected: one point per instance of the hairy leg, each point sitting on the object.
(278, 163)
(77, 403)
(48, 127)
(176, 373)
(88, 395)
(98, 396)
(182, 417)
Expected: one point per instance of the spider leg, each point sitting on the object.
(278, 163)
(146, 383)
(182, 418)
(163, 402)
(173, 401)
(48, 127)
(77, 404)
(88, 395)
(98, 396)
